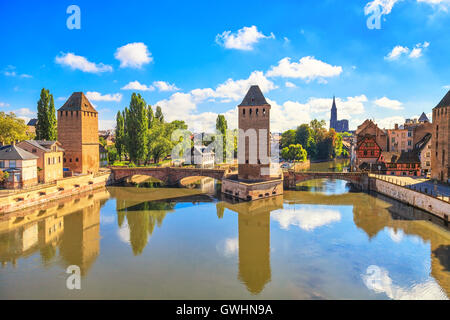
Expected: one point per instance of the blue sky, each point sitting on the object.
(196, 59)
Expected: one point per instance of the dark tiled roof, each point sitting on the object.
(13, 152)
(445, 102)
(254, 97)
(45, 144)
(422, 142)
(32, 122)
(423, 118)
(401, 157)
(77, 102)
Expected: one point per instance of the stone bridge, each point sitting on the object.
(359, 179)
(169, 175)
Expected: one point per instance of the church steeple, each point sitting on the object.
(333, 118)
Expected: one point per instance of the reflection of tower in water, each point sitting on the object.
(254, 240)
(254, 251)
(81, 239)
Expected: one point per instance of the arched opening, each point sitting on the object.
(325, 186)
(142, 181)
(203, 184)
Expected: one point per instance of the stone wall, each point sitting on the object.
(20, 199)
(419, 200)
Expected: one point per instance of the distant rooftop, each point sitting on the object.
(13, 152)
(254, 97)
(32, 122)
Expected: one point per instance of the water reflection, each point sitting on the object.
(66, 230)
(330, 244)
(254, 240)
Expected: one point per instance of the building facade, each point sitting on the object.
(441, 140)
(20, 165)
(50, 161)
(337, 125)
(201, 157)
(400, 139)
(367, 151)
(78, 134)
(423, 148)
(369, 128)
(400, 163)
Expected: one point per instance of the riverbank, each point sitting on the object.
(20, 199)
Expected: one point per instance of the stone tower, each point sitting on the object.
(440, 141)
(78, 134)
(254, 136)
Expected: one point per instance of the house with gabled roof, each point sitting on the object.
(50, 162)
(20, 166)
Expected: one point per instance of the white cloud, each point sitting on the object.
(307, 219)
(231, 246)
(415, 53)
(385, 6)
(244, 39)
(4, 104)
(97, 96)
(389, 104)
(397, 52)
(106, 124)
(133, 55)
(446, 87)
(389, 122)
(308, 68)
(165, 86)
(81, 63)
(377, 279)
(233, 90)
(136, 85)
(289, 84)
(24, 112)
(14, 74)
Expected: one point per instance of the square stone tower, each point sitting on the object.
(254, 136)
(440, 142)
(78, 134)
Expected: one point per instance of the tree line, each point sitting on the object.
(318, 142)
(142, 136)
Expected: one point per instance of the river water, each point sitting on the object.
(323, 242)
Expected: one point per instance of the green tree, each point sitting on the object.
(12, 129)
(150, 116)
(137, 128)
(221, 127)
(158, 114)
(46, 127)
(120, 135)
(294, 152)
(287, 138)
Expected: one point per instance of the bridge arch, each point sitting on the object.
(291, 179)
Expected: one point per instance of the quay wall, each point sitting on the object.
(414, 198)
(20, 199)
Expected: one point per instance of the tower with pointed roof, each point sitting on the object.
(78, 134)
(254, 135)
(337, 125)
(440, 145)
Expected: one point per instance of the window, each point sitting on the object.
(243, 112)
(12, 163)
(409, 142)
(2, 163)
(250, 112)
(59, 159)
(33, 150)
(257, 111)
(76, 159)
(48, 160)
(70, 160)
(64, 160)
(264, 111)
